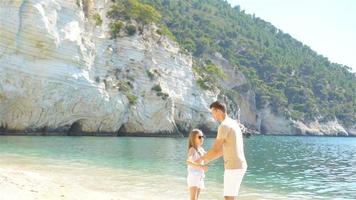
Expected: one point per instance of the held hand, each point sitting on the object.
(199, 160)
(205, 168)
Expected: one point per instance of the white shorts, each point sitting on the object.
(196, 180)
(232, 181)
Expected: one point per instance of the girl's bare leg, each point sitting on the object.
(198, 193)
(193, 193)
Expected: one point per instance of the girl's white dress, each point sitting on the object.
(196, 176)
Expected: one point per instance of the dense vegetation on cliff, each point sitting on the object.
(284, 73)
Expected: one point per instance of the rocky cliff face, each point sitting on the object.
(242, 104)
(62, 72)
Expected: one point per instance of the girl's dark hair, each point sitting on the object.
(191, 138)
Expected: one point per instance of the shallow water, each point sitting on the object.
(279, 167)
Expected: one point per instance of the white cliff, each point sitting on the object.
(60, 72)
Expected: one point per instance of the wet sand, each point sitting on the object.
(23, 178)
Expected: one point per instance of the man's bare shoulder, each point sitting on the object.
(224, 126)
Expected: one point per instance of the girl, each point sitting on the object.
(196, 171)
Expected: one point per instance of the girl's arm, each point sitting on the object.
(192, 163)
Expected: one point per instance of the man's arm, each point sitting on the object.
(215, 152)
(192, 162)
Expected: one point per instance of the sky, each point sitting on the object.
(327, 26)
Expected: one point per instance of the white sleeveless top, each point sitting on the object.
(196, 156)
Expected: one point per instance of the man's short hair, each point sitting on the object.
(218, 105)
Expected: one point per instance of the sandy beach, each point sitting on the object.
(23, 178)
(27, 179)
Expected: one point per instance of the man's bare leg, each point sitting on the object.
(230, 198)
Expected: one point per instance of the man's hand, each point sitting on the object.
(205, 168)
(199, 160)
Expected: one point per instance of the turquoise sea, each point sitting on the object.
(280, 167)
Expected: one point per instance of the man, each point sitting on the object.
(229, 144)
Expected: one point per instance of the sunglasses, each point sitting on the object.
(201, 136)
